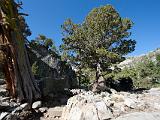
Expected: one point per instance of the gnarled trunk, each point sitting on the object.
(19, 78)
(99, 84)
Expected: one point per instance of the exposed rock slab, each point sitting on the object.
(140, 116)
(86, 107)
(115, 106)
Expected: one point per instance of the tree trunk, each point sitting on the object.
(98, 72)
(99, 84)
(19, 78)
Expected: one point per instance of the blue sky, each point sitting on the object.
(46, 17)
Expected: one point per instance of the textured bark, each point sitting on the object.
(19, 78)
(98, 72)
(99, 84)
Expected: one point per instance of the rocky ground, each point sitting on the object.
(49, 109)
(85, 105)
(116, 106)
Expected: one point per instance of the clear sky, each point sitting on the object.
(46, 17)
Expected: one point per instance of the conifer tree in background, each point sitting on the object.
(100, 41)
(13, 31)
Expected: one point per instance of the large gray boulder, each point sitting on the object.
(86, 106)
(140, 116)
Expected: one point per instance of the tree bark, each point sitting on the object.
(19, 78)
(99, 84)
(98, 71)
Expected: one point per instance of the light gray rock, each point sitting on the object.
(117, 98)
(104, 94)
(77, 91)
(103, 111)
(140, 116)
(24, 106)
(132, 61)
(90, 106)
(5, 99)
(4, 106)
(43, 109)
(86, 107)
(113, 91)
(154, 91)
(37, 104)
(156, 105)
(130, 102)
(3, 115)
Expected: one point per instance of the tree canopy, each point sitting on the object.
(102, 38)
(45, 42)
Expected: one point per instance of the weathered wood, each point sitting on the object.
(19, 78)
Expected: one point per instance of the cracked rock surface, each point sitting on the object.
(116, 106)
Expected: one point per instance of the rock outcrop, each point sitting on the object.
(131, 61)
(86, 107)
(53, 74)
(114, 106)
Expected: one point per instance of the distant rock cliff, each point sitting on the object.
(131, 61)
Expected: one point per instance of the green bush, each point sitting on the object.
(35, 68)
(145, 74)
(86, 76)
